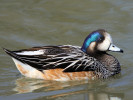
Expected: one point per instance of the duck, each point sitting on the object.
(66, 62)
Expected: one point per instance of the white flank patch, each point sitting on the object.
(31, 72)
(38, 52)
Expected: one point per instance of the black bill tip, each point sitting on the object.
(121, 51)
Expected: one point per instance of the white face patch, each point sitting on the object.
(38, 52)
(106, 43)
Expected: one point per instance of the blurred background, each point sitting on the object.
(28, 23)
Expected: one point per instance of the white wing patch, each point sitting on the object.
(38, 52)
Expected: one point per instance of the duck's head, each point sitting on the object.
(99, 41)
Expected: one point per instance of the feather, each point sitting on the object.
(69, 58)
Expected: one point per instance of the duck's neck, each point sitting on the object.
(109, 61)
(96, 54)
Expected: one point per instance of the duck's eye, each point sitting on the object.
(99, 39)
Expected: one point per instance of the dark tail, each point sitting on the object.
(10, 53)
(13, 55)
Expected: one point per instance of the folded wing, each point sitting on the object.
(69, 58)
